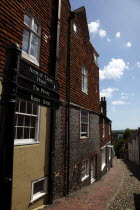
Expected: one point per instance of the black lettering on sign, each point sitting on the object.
(36, 75)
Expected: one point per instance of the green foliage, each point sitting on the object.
(119, 148)
(127, 133)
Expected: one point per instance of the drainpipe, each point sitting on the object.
(67, 146)
(53, 118)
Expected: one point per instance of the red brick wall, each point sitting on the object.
(11, 28)
(82, 55)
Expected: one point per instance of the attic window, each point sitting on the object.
(74, 27)
(96, 58)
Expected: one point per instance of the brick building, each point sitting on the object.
(105, 138)
(35, 25)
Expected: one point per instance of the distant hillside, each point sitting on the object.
(118, 131)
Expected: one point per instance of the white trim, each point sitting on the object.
(103, 157)
(86, 169)
(84, 76)
(75, 27)
(30, 28)
(87, 133)
(18, 142)
(39, 194)
(95, 58)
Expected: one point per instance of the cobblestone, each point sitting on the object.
(118, 189)
(128, 195)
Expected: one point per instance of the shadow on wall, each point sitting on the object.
(133, 168)
(137, 201)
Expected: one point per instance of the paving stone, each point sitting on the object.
(119, 189)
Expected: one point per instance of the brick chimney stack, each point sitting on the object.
(103, 106)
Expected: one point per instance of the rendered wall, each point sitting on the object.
(30, 164)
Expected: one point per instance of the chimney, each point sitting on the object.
(103, 106)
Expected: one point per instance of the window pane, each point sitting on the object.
(32, 133)
(27, 121)
(27, 20)
(25, 41)
(34, 46)
(26, 133)
(33, 119)
(35, 108)
(36, 28)
(19, 133)
(20, 120)
(29, 108)
(38, 187)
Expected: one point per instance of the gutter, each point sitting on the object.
(53, 118)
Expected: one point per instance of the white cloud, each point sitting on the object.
(108, 92)
(114, 70)
(118, 34)
(94, 27)
(102, 33)
(138, 64)
(128, 44)
(118, 102)
(124, 95)
(108, 40)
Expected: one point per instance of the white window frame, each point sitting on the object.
(103, 127)
(39, 194)
(37, 128)
(86, 133)
(95, 58)
(31, 31)
(84, 80)
(109, 146)
(85, 166)
(75, 27)
(103, 157)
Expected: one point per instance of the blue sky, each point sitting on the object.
(114, 27)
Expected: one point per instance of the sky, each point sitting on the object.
(114, 28)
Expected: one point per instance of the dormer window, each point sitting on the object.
(96, 58)
(74, 27)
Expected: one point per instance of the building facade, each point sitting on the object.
(55, 40)
(105, 138)
(132, 147)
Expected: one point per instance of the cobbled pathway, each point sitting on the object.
(128, 195)
(118, 189)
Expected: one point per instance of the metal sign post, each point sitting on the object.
(21, 81)
(9, 95)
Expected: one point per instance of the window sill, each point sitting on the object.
(85, 177)
(84, 138)
(25, 142)
(85, 92)
(93, 180)
(37, 196)
(29, 58)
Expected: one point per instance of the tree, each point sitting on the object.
(127, 133)
(119, 148)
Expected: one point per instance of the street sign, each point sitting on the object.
(37, 87)
(40, 90)
(38, 76)
(33, 98)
